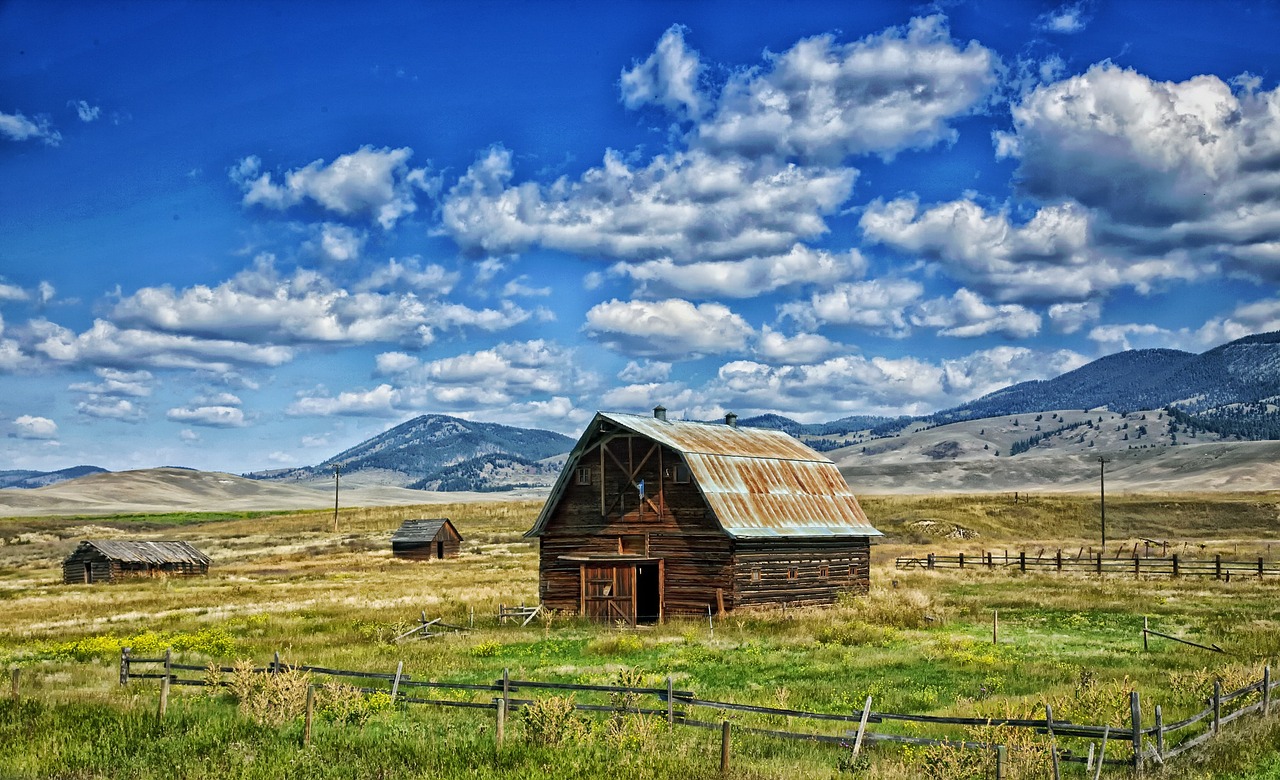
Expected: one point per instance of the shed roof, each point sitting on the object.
(759, 483)
(145, 552)
(422, 530)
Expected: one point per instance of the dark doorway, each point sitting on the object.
(440, 550)
(648, 600)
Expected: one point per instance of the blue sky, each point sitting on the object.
(241, 236)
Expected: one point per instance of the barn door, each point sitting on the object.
(608, 592)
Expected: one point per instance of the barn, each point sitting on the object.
(424, 540)
(111, 561)
(652, 517)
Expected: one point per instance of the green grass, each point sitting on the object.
(920, 642)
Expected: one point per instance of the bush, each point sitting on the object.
(552, 721)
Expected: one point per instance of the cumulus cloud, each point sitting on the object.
(208, 416)
(520, 287)
(30, 427)
(877, 305)
(260, 305)
(687, 206)
(671, 329)
(822, 100)
(17, 127)
(745, 278)
(369, 182)
(337, 243)
(1261, 316)
(966, 315)
(111, 408)
(854, 384)
(105, 344)
(189, 436)
(775, 347)
(1065, 20)
(114, 382)
(640, 371)
(1161, 164)
(410, 272)
(1071, 317)
(381, 401)
(86, 112)
(667, 78)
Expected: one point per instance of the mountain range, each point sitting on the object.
(1231, 392)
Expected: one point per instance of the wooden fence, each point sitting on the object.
(1097, 563)
(1142, 743)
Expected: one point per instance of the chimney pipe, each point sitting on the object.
(731, 420)
(660, 412)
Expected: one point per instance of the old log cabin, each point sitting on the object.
(424, 540)
(110, 561)
(652, 517)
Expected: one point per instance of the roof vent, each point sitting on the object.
(731, 420)
(660, 412)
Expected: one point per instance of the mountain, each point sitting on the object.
(434, 450)
(35, 479)
(1234, 387)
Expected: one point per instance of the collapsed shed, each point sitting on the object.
(110, 561)
(425, 540)
(652, 517)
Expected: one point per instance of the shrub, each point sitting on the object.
(271, 698)
(552, 721)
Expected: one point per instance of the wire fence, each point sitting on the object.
(1097, 563)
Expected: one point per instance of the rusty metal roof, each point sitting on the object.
(144, 552)
(757, 482)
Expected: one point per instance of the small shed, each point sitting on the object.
(110, 561)
(424, 540)
(654, 517)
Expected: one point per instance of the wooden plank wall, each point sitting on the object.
(847, 561)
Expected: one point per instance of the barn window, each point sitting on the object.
(631, 545)
(584, 476)
(680, 474)
(823, 572)
(793, 573)
(755, 575)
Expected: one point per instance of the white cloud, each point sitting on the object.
(111, 408)
(430, 279)
(218, 399)
(44, 292)
(688, 206)
(337, 243)
(377, 183)
(1065, 20)
(17, 127)
(12, 292)
(31, 427)
(775, 347)
(667, 78)
(672, 329)
(1246, 319)
(189, 436)
(1071, 317)
(86, 112)
(259, 305)
(821, 100)
(520, 287)
(114, 382)
(208, 416)
(744, 278)
(878, 305)
(105, 344)
(642, 371)
(641, 397)
(966, 315)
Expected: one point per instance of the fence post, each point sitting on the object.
(724, 748)
(1159, 734)
(1022, 560)
(1135, 712)
(1144, 633)
(1000, 760)
(1266, 690)
(502, 722)
(164, 698)
(671, 715)
(995, 627)
(1102, 753)
(862, 727)
(1259, 567)
(1217, 566)
(1137, 563)
(506, 686)
(1098, 565)
(275, 663)
(930, 560)
(168, 663)
(395, 684)
(124, 665)
(306, 723)
(1217, 706)
(1058, 559)
(1053, 742)
(1175, 564)
(962, 560)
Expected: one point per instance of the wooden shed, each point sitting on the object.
(424, 540)
(110, 561)
(652, 517)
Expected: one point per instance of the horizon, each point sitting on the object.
(250, 236)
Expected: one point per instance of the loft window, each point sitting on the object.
(631, 545)
(755, 575)
(680, 474)
(793, 573)
(823, 572)
(584, 476)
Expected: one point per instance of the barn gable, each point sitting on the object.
(651, 517)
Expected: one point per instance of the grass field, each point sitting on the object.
(920, 642)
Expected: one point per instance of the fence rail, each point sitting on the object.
(1097, 563)
(1170, 739)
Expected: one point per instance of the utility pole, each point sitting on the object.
(337, 469)
(1102, 495)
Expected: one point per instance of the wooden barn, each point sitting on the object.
(111, 561)
(424, 540)
(652, 517)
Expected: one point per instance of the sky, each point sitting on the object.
(242, 236)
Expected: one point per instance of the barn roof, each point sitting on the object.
(145, 552)
(759, 483)
(422, 530)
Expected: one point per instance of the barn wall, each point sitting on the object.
(763, 569)
(673, 524)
